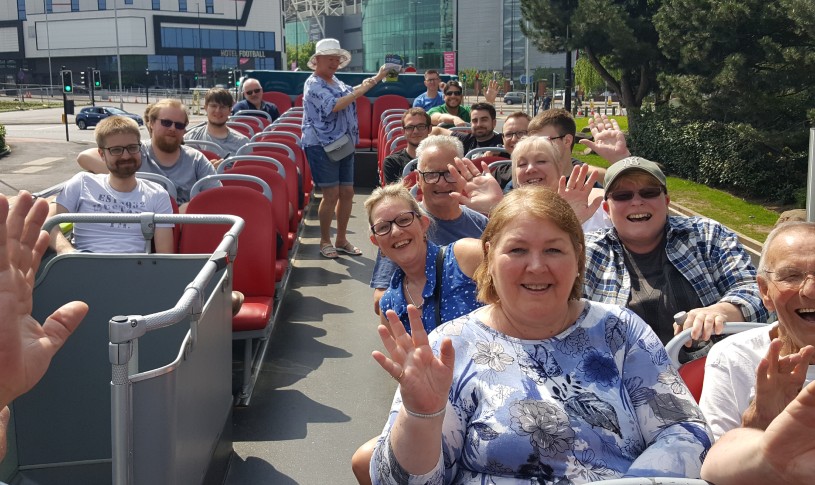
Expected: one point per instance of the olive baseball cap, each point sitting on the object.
(630, 164)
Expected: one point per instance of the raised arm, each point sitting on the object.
(482, 191)
(609, 140)
(360, 90)
(492, 92)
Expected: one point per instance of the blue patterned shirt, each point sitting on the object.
(457, 294)
(705, 252)
(321, 125)
(598, 401)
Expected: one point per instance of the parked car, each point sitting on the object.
(513, 97)
(92, 115)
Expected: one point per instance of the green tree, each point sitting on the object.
(750, 61)
(300, 53)
(618, 38)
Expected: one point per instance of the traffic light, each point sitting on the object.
(229, 77)
(238, 74)
(82, 78)
(97, 79)
(67, 81)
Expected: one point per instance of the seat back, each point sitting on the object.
(384, 103)
(257, 124)
(210, 149)
(263, 116)
(285, 155)
(501, 152)
(281, 100)
(367, 133)
(241, 128)
(694, 375)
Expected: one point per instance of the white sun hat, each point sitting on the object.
(329, 47)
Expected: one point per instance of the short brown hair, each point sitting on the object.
(220, 96)
(560, 118)
(431, 71)
(115, 125)
(416, 112)
(519, 114)
(167, 103)
(541, 203)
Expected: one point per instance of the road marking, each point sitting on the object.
(44, 161)
(31, 169)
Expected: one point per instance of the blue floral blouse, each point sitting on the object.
(597, 402)
(458, 291)
(321, 125)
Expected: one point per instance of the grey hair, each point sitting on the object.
(778, 231)
(396, 190)
(533, 144)
(448, 142)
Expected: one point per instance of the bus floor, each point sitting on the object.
(320, 394)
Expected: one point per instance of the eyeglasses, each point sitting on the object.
(625, 195)
(432, 80)
(421, 128)
(118, 151)
(452, 93)
(168, 123)
(251, 92)
(553, 138)
(216, 106)
(515, 134)
(402, 220)
(790, 278)
(434, 177)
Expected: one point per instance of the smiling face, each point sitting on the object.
(437, 196)
(563, 143)
(640, 222)
(416, 129)
(514, 129)
(253, 92)
(791, 252)
(535, 162)
(403, 245)
(482, 124)
(126, 164)
(453, 96)
(533, 266)
(326, 66)
(217, 114)
(169, 138)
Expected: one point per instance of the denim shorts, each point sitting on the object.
(326, 172)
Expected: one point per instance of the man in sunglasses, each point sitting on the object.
(659, 266)
(416, 123)
(253, 100)
(433, 97)
(217, 103)
(117, 192)
(453, 112)
(451, 220)
(164, 154)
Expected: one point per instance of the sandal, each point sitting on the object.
(329, 251)
(349, 248)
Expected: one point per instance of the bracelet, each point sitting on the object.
(425, 416)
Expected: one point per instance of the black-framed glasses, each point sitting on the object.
(434, 177)
(404, 219)
(553, 138)
(251, 92)
(625, 195)
(118, 151)
(218, 106)
(516, 134)
(168, 123)
(421, 128)
(452, 93)
(790, 278)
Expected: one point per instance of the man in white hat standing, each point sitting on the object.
(330, 132)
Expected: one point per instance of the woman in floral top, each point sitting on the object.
(539, 386)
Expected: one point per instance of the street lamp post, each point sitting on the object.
(48, 45)
(118, 57)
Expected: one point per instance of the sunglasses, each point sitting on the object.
(625, 195)
(251, 92)
(168, 123)
(452, 93)
(402, 220)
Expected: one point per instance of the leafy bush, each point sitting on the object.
(724, 155)
(2, 138)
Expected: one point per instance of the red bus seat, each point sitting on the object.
(281, 100)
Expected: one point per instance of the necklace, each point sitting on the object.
(410, 297)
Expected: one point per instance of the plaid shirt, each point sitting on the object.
(706, 253)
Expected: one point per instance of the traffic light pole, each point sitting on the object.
(65, 113)
(92, 79)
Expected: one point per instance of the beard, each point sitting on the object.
(124, 168)
(167, 143)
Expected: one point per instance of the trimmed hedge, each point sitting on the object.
(2, 138)
(724, 155)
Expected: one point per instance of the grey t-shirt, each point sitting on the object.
(230, 144)
(88, 193)
(190, 167)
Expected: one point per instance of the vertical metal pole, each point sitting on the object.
(48, 45)
(118, 57)
(811, 178)
(65, 112)
(526, 68)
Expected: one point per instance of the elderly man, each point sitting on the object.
(453, 111)
(752, 376)
(117, 192)
(659, 266)
(482, 129)
(416, 123)
(451, 220)
(433, 96)
(165, 153)
(253, 100)
(217, 103)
